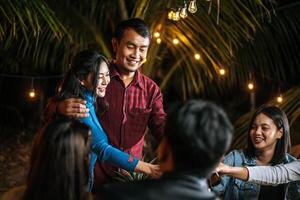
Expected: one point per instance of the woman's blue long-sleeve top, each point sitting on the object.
(101, 149)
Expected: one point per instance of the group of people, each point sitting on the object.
(114, 103)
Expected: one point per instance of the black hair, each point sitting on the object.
(199, 134)
(138, 25)
(84, 63)
(60, 162)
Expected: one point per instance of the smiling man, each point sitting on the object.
(134, 101)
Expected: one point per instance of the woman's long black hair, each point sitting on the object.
(59, 164)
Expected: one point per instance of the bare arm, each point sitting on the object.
(235, 172)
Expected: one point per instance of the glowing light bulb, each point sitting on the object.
(170, 14)
(156, 34)
(279, 99)
(31, 93)
(158, 40)
(192, 6)
(222, 72)
(197, 56)
(183, 12)
(175, 41)
(176, 16)
(250, 86)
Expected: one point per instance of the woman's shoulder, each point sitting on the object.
(235, 158)
(15, 193)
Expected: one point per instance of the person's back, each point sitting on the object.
(196, 137)
(59, 164)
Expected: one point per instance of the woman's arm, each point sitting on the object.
(271, 175)
(235, 172)
(267, 175)
(109, 154)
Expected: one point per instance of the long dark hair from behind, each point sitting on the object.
(84, 63)
(59, 165)
(281, 121)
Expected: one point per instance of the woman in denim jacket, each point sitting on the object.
(268, 144)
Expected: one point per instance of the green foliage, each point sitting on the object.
(259, 36)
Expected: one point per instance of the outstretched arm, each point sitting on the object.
(271, 175)
(235, 172)
(266, 175)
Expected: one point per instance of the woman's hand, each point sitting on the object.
(149, 169)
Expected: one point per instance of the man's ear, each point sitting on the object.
(114, 42)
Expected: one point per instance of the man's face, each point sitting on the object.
(131, 51)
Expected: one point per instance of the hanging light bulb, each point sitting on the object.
(175, 41)
(170, 14)
(197, 56)
(222, 71)
(156, 34)
(192, 6)
(158, 40)
(183, 12)
(31, 93)
(279, 99)
(176, 15)
(250, 86)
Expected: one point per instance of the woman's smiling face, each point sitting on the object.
(264, 133)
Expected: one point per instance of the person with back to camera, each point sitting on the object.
(59, 165)
(135, 101)
(268, 144)
(197, 135)
(87, 78)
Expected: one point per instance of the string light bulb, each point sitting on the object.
(175, 41)
(222, 71)
(197, 56)
(156, 34)
(158, 40)
(250, 86)
(31, 93)
(183, 12)
(279, 99)
(192, 6)
(170, 14)
(176, 15)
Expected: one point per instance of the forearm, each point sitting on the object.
(271, 175)
(237, 172)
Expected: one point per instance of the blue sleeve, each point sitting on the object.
(104, 151)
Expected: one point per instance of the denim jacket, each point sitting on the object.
(231, 189)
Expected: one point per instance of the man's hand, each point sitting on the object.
(72, 107)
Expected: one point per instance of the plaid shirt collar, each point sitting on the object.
(137, 79)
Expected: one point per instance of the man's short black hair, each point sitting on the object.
(137, 24)
(199, 133)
